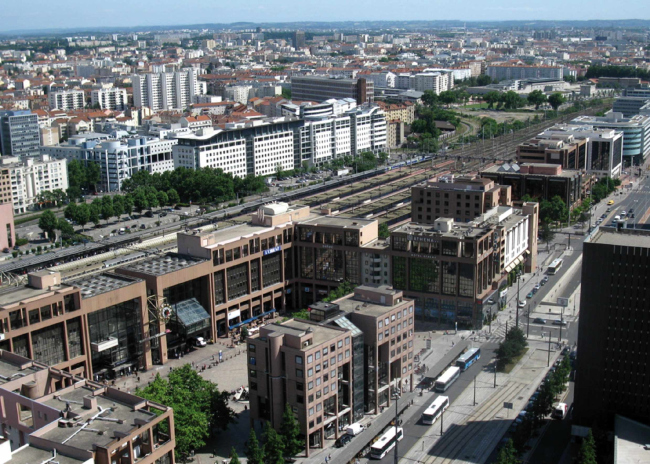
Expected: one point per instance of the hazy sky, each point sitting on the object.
(45, 14)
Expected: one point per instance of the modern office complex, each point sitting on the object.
(166, 91)
(52, 416)
(631, 106)
(32, 176)
(635, 129)
(347, 360)
(19, 134)
(613, 329)
(66, 100)
(502, 72)
(319, 89)
(110, 99)
(118, 159)
(298, 39)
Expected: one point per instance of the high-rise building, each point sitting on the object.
(319, 89)
(66, 100)
(502, 72)
(165, 91)
(110, 99)
(614, 329)
(298, 39)
(19, 134)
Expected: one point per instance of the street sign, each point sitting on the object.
(563, 301)
(507, 405)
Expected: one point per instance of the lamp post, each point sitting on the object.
(518, 288)
(396, 459)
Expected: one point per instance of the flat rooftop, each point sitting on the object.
(337, 221)
(630, 441)
(361, 306)
(161, 265)
(101, 283)
(459, 230)
(31, 455)
(229, 234)
(627, 237)
(10, 371)
(10, 294)
(100, 431)
(297, 327)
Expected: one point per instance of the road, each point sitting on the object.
(414, 430)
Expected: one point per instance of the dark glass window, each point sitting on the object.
(466, 279)
(449, 278)
(424, 275)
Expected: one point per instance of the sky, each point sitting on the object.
(64, 14)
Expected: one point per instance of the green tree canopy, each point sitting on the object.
(254, 452)
(508, 454)
(556, 100)
(273, 445)
(48, 222)
(537, 98)
(587, 453)
(289, 432)
(384, 232)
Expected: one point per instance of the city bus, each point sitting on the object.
(447, 378)
(555, 266)
(386, 443)
(468, 358)
(431, 414)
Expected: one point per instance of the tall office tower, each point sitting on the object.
(298, 39)
(166, 91)
(321, 88)
(19, 134)
(614, 329)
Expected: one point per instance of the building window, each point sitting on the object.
(298, 359)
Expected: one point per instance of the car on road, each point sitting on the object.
(544, 280)
(610, 202)
(539, 320)
(163, 214)
(603, 216)
(530, 295)
(631, 210)
(5, 250)
(559, 322)
(632, 216)
(343, 440)
(623, 213)
(521, 303)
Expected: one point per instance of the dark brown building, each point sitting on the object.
(613, 375)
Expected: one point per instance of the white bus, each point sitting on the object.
(468, 358)
(447, 378)
(555, 266)
(431, 414)
(386, 443)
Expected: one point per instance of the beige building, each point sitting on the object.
(404, 112)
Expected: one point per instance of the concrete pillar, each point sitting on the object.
(307, 445)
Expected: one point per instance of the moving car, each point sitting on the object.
(521, 303)
(610, 202)
(559, 322)
(539, 320)
(559, 412)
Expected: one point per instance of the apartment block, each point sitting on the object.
(32, 176)
(110, 99)
(437, 82)
(166, 91)
(19, 134)
(511, 72)
(343, 362)
(461, 198)
(319, 89)
(50, 415)
(66, 100)
(613, 329)
(118, 159)
(404, 112)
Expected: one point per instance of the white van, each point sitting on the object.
(559, 412)
(355, 429)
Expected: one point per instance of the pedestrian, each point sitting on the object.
(330, 457)
(326, 460)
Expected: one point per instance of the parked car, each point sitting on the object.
(343, 440)
(143, 226)
(559, 412)
(559, 322)
(199, 341)
(537, 287)
(530, 295)
(521, 303)
(163, 214)
(539, 320)
(5, 250)
(149, 214)
(610, 202)
(632, 216)
(544, 280)
(355, 429)
(603, 216)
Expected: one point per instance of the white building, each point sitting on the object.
(237, 93)
(110, 99)
(33, 176)
(66, 100)
(166, 91)
(118, 159)
(438, 81)
(205, 149)
(381, 79)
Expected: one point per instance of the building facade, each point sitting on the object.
(110, 99)
(511, 72)
(19, 134)
(613, 329)
(166, 91)
(7, 228)
(319, 89)
(66, 100)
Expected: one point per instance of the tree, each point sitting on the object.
(48, 223)
(383, 231)
(273, 445)
(107, 207)
(507, 454)
(546, 234)
(254, 453)
(172, 197)
(382, 157)
(95, 212)
(65, 227)
(491, 98)
(140, 200)
(511, 100)
(70, 211)
(128, 205)
(289, 432)
(118, 206)
(537, 98)
(448, 97)
(587, 453)
(234, 457)
(556, 100)
(430, 98)
(82, 215)
(193, 399)
(527, 198)
(93, 175)
(163, 199)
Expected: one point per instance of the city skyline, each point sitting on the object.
(22, 17)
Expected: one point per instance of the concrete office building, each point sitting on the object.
(110, 99)
(538, 180)
(516, 72)
(298, 39)
(166, 91)
(119, 159)
(631, 106)
(560, 148)
(32, 176)
(344, 362)
(66, 100)
(461, 198)
(319, 89)
(50, 415)
(19, 134)
(635, 129)
(613, 329)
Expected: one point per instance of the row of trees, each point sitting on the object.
(596, 71)
(511, 100)
(49, 223)
(277, 445)
(205, 185)
(200, 409)
(604, 187)
(511, 348)
(82, 177)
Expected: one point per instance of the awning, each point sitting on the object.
(191, 315)
(247, 321)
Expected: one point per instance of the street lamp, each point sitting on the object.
(518, 288)
(396, 397)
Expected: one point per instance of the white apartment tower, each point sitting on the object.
(167, 91)
(110, 99)
(66, 100)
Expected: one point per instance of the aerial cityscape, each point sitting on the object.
(269, 232)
